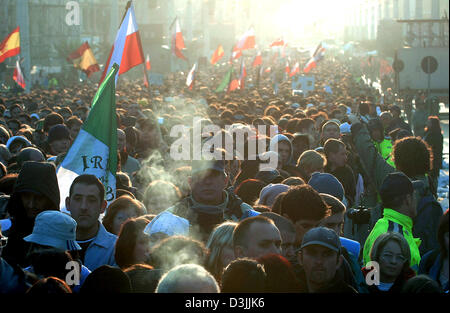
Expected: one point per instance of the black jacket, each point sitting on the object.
(34, 177)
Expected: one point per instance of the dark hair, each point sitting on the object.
(364, 108)
(421, 284)
(304, 124)
(241, 231)
(7, 183)
(412, 156)
(276, 206)
(73, 120)
(293, 181)
(88, 179)
(281, 222)
(303, 202)
(249, 190)
(280, 274)
(334, 203)
(435, 125)
(126, 242)
(51, 120)
(144, 278)
(106, 279)
(332, 146)
(244, 276)
(442, 229)
(49, 285)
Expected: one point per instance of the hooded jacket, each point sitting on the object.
(276, 140)
(34, 177)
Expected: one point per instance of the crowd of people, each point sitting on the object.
(350, 207)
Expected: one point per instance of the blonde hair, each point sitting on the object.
(311, 160)
(219, 238)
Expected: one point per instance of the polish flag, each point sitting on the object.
(258, 60)
(287, 69)
(247, 40)
(147, 63)
(242, 76)
(127, 49)
(178, 41)
(317, 56)
(191, 77)
(18, 76)
(295, 70)
(278, 42)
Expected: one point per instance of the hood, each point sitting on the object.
(31, 178)
(277, 139)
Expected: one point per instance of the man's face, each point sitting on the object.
(288, 244)
(74, 130)
(331, 131)
(320, 264)
(35, 203)
(334, 222)
(208, 186)
(262, 239)
(85, 205)
(302, 227)
(338, 159)
(60, 146)
(284, 151)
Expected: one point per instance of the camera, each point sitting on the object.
(359, 215)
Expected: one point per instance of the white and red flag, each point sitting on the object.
(148, 65)
(258, 59)
(127, 49)
(247, 41)
(317, 56)
(178, 41)
(295, 70)
(277, 43)
(18, 75)
(191, 77)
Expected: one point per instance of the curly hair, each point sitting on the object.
(412, 156)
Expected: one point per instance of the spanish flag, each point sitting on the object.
(10, 46)
(84, 59)
(218, 54)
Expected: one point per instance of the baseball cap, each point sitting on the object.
(205, 165)
(54, 229)
(322, 236)
(327, 183)
(395, 184)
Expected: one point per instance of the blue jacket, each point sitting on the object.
(433, 259)
(101, 250)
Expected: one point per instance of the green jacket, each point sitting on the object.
(395, 222)
(385, 148)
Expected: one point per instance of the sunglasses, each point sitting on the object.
(3, 242)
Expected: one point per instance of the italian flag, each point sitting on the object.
(94, 150)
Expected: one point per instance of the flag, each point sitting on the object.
(10, 46)
(247, 41)
(217, 55)
(148, 66)
(236, 54)
(191, 77)
(234, 84)
(83, 58)
(242, 75)
(278, 42)
(295, 70)
(94, 150)
(18, 76)
(287, 69)
(317, 56)
(258, 60)
(225, 81)
(178, 41)
(127, 49)
(267, 70)
(385, 68)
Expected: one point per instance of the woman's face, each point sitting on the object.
(121, 217)
(391, 262)
(142, 249)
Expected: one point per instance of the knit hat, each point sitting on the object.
(327, 183)
(54, 229)
(270, 192)
(58, 132)
(395, 184)
(106, 279)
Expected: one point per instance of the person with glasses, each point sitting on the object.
(392, 253)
